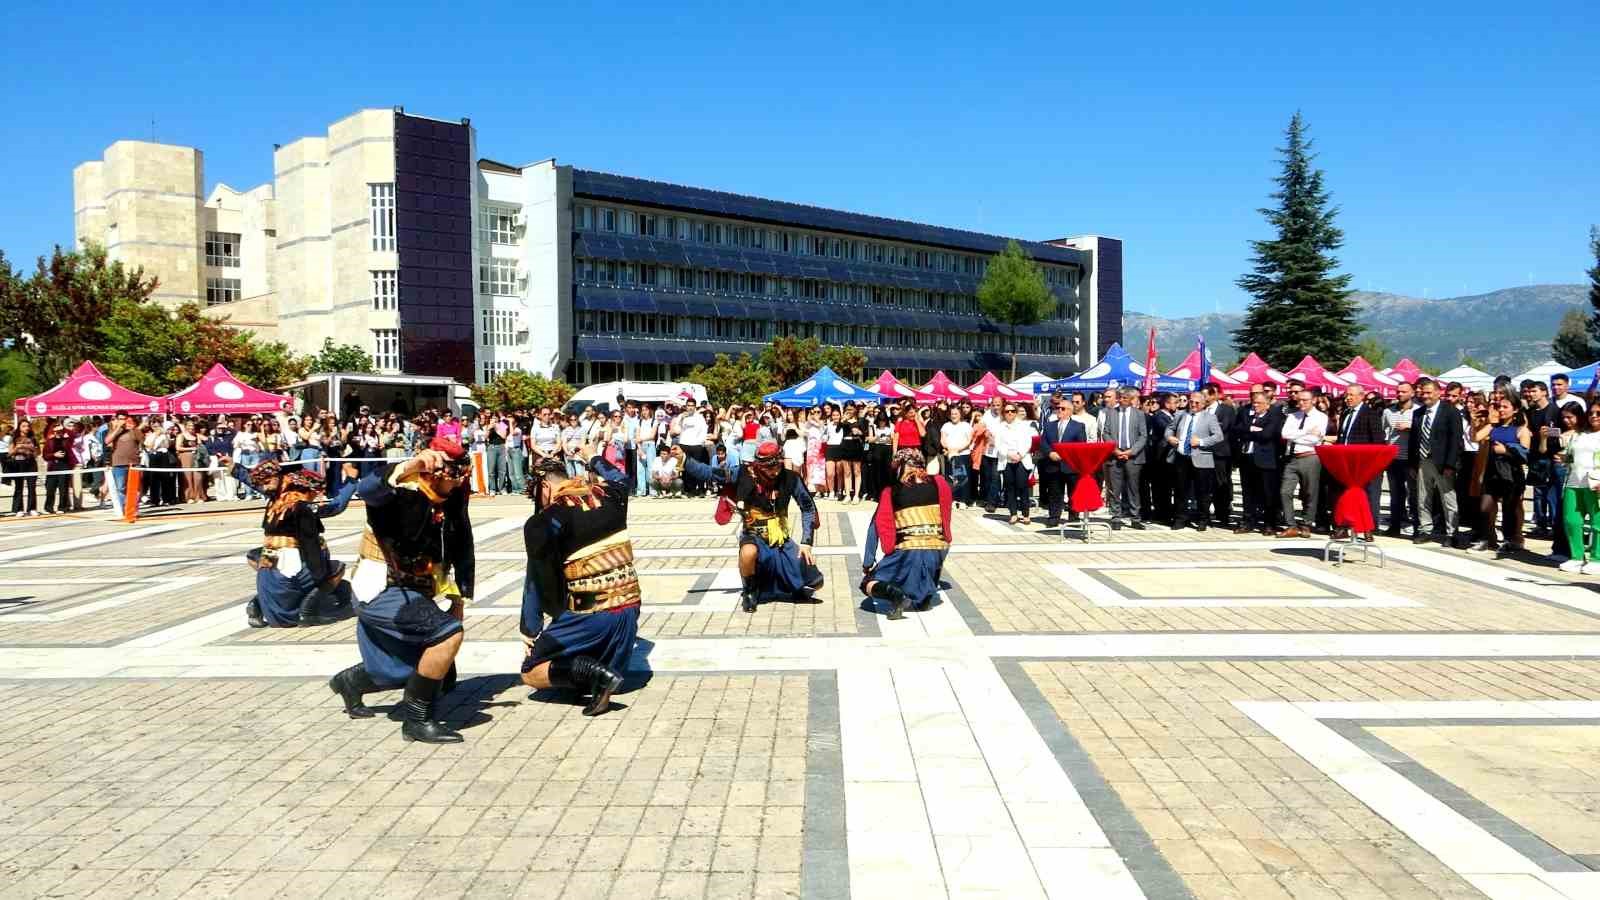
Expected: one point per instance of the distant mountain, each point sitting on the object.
(1508, 330)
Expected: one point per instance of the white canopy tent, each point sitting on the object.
(1470, 378)
(1025, 383)
(1541, 372)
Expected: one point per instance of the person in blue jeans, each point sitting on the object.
(955, 437)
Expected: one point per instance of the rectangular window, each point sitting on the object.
(221, 290)
(222, 249)
(629, 222)
(385, 293)
(380, 215)
(608, 220)
(583, 217)
(499, 328)
(686, 278)
(493, 370)
(497, 225)
(497, 277)
(386, 349)
(647, 225)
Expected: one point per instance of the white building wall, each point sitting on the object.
(497, 190)
(547, 256)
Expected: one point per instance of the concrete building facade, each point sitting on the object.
(390, 232)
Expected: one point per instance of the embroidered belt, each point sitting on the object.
(419, 573)
(919, 528)
(279, 542)
(601, 576)
(768, 526)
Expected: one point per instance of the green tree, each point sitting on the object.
(16, 378)
(1373, 351)
(1014, 293)
(791, 359)
(517, 390)
(1300, 307)
(342, 358)
(156, 351)
(1571, 346)
(1594, 296)
(743, 381)
(54, 317)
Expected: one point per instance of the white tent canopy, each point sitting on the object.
(1470, 378)
(1025, 383)
(1541, 372)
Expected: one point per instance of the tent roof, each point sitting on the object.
(942, 387)
(1189, 369)
(1473, 379)
(1116, 368)
(1405, 370)
(989, 386)
(87, 392)
(822, 388)
(889, 386)
(1361, 372)
(1315, 375)
(1025, 383)
(218, 391)
(1256, 370)
(1543, 371)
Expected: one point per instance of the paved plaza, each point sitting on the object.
(1150, 714)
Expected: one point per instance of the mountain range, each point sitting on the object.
(1508, 330)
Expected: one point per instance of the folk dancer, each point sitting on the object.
(770, 563)
(581, 575)
(912, 526)
(294, 572)
(418, 536)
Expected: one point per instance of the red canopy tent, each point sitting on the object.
(86, 392)
(1317, 378)
(943, 388)
(1254, 370)
(1190, 369)
(218, 392)
(989, 387)
(1405, 370)
(895, 389)
(1359, 371)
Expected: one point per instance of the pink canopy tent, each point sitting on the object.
(1190, 369)
(988, 387)
(943, 388)
(1316, 377)
(1404, 370)
(86, 392)
(1254, 370)
(1359, 371)
(895, 389)
(219, 392)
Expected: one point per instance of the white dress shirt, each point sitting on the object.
(1016, 437)
(1303, 431)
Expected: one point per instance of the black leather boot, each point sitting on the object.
(896, 598)
(311, 609)
(747, 596)
(418, 709)
(252, 614)
(350, 685)
(585, 674)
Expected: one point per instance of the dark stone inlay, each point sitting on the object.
(824, 861)
(1539, 851)
(968, 609)
(1150, 869)
(1103, 573)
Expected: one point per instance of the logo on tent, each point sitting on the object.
(227, 390)
(94, 390)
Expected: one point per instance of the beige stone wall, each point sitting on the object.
(257, 315)
(360, 153)
(88, 203)
(153, 196)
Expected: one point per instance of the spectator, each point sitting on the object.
(185, 445)
(1503, 442)
(23, 465)
(1580, 502)
(956, 439)
(124, 440)
(1015, 440)
(1434, 449)
(59, 461)
(645, 439)
(664, 474)
(1303, 431)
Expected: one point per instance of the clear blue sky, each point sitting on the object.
(1460, 141)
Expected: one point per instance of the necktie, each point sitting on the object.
(1349, 425)
(1188, 431)
(1122, 432)
(1427, 432)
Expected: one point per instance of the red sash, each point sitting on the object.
(883, 519)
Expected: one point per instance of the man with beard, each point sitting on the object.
(770, 563)
(912, 525)
(418, 536)
(581, 575)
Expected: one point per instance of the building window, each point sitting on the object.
(222, 249)
(608, 220)
(499, 328)
(492, 370)
(386, 349)
(497, 225)
(385, 293)
(583, 218)
(629, 222)
(380, 214)
(497, 277)
(221, 290)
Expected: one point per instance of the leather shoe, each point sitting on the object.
(1290, 532)
(1136, 525)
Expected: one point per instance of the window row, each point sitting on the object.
(587, 217)
(221, 290)
(385, 290)
(497, 225)
(650, 325)
(222, 249)
(497, 277)
(492, 370)
(380, 215)
(499, 328)
(386, 349)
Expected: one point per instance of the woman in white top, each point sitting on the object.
(955, 437)
(1015, 462)
(644, 448)
(1580, 504)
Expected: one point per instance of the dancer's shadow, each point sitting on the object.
(465, 705)
(635, 678)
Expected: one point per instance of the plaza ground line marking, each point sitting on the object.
(95, 540)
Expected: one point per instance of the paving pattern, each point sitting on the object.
(1146, 714)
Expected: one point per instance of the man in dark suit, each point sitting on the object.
(1435, 454)
(1258, 432)
(1159, 475)
(1222, 490)
(1125, 427)
(1361, 423)
(1054, 472)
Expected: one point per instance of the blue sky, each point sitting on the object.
(1458, 139)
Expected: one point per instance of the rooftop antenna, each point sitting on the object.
(152, 131)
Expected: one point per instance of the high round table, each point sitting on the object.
(1353, 466)
(1086, 460)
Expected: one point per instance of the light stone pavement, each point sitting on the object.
(1148, 714)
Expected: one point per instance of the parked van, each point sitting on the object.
(605, 396)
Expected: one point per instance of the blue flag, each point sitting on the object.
(1205, 362)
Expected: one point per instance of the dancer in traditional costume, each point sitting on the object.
(770, 563)
(297, 582)
(912, 527)
(416, 553)
(581, 575)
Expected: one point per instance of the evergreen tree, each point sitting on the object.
(1300, 307)
(1571, 346)
(1594, 295)
(1014, 293)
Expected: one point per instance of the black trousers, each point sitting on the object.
(1260, 487)
(1222, 491)
(694, 487)
(58, 491)
(1194, 493)
(1161, 477)
(1402, 499)
(1052, 493)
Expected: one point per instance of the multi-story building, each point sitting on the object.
(385, 233)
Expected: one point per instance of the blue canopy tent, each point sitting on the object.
(1115, 369)
(1579, 379)
(821, 388)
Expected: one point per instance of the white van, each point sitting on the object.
(604, 396)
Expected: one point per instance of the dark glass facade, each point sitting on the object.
(433, 172)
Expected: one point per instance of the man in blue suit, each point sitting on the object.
(1055, 475)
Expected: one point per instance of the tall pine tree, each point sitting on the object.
(1300, 307)
(1594, 293)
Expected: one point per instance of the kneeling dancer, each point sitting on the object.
(770, 563)
(294, 572)
(581, 575)
(417, 536)
(912, 525)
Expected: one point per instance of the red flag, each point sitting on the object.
(1150, 367)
